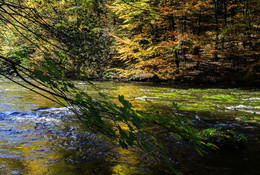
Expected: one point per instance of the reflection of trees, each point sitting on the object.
(12, 164)
(77, 150)
(56, 149)
(59, 143)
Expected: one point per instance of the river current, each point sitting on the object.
(39, 137)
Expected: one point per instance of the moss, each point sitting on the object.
(231, 102)
(224, 139)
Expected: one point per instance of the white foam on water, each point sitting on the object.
(242, 107)
(252, 99)
(143, 98)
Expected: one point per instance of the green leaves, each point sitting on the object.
(125, 103)
(119, 120)
(42, 76)
(223, 138)
(175, 105)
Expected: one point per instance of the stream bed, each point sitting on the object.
(38, 137)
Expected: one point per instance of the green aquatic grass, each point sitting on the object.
(199, 100)
(198, 107)
(221, 97)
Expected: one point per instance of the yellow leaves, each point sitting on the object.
(128, 26)
(72, 19)
(201, 5)
(127, 49)
(214, 52)
(230, 7)
(125, 41)
(166, 73)
(131, 48)
(125, 10)
(153, 62)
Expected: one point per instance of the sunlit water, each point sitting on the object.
(39, 137)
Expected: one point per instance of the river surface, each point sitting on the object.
(38, 137)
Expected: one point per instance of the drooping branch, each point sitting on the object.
(14, 66)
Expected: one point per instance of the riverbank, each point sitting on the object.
(208, 74)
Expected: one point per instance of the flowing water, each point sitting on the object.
(38, 137)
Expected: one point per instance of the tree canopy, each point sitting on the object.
(139, 40)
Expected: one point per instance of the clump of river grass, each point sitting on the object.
(223, 138)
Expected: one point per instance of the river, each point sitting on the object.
(38, 137)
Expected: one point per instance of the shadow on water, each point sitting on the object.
(50, 143)
(39, 137)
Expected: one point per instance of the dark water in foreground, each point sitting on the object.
(52, 141)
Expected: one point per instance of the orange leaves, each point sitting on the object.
(160, 34)
(183, 8)
(201, 5)
(152, 62)
(167, 10)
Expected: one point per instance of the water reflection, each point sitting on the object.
(56, 143)
(39, 137)
(225, 102)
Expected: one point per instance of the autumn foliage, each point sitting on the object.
(181, 40)
(164, 39)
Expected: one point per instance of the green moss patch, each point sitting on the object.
(224, 139)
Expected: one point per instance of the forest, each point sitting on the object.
(53, 47)
(194, 41)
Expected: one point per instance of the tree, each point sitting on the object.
(74, 28)
(121, 121)
(158, 38)
(76, 25)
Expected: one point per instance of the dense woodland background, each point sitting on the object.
(198, 41)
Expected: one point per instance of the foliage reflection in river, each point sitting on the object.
(227, 102)
(52, 141)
